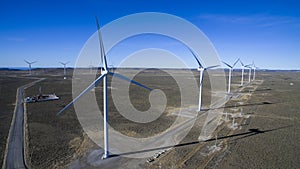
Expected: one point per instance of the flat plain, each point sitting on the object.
(9, 83)
(264, 136)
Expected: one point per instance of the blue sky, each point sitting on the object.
(267, 32)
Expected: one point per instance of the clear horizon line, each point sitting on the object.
(70, 67)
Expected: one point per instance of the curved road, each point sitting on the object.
(14, 157)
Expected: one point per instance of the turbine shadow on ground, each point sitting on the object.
(154, 149)
(250, 104)
(256, 91)
(250, 132)
(243, 105)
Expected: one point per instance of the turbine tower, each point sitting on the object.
(103, 77)
(65, 72)
(91, 68)
(243, 69)
(254, 69)
(229, 75)
(29, 64)
(201, 69)
(249, 67)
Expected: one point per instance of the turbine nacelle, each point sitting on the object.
(64, 63)
(200, 69)
(242, 64)
(104, 72)
(30, 63)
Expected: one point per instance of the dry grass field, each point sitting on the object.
(8, 90)
(276, 142)
(63, 134)
(265, 135)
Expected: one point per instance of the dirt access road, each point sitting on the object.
(14, 154)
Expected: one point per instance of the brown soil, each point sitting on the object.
(268, 139)
(8, 89)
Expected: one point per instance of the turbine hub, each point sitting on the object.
(200, 68)
(104, 72)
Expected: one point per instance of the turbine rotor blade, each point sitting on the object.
(235, 62)
(210, 67)
(27, 62)
(227, 64)
(129, 80)
(103, 57)
(242, 63)
(91, 86)
(196, 58)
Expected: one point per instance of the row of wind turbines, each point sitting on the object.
(201, 69)
(231, 68)
(105, 71)
(63, 63)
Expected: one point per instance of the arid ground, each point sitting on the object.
(264, 135)
(9, 82)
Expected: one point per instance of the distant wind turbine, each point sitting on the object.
(65, 72)
(29, 64)
(249, 74)
(91, 68)
(112, 67)
(243, 69)
(103, 77)
(254, 70)
(201, 69)
(229, 74)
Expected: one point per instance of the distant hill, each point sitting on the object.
(14, 68)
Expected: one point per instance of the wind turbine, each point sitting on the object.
(243, 69)
(103, 77)
(112, 67)
(201, 69)
(249, 67)
(254, 69)
(65, 72)
(229, 75)
(91, 67)
(29, 64)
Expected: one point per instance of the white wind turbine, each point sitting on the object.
(243, 69)
(65, 72)
(29, 64)
(249, 74)
(254, 70)
(229, 74)
(103, 77)
(201, 69)
(91, 67)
